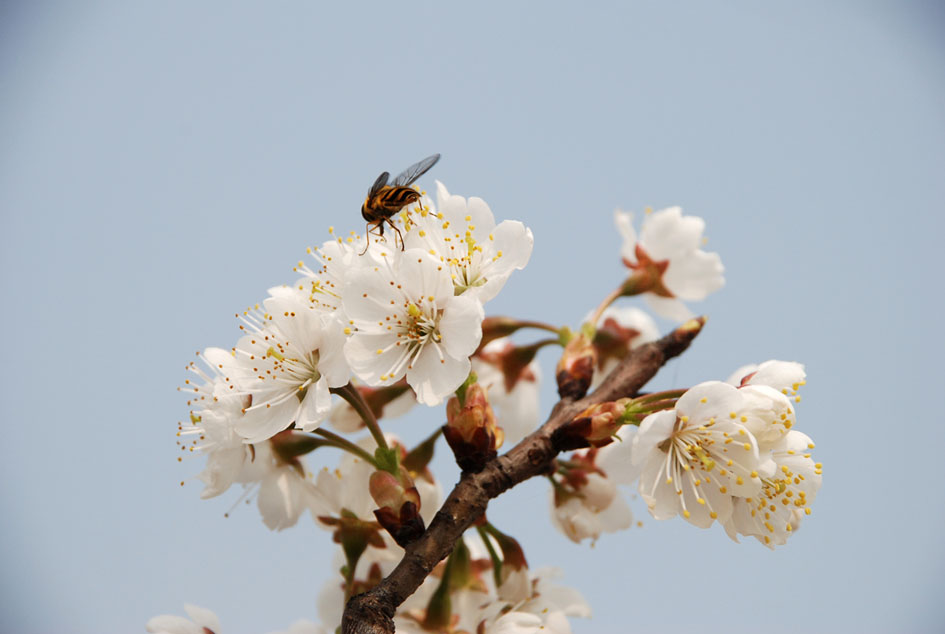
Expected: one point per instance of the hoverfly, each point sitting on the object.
(386, 199)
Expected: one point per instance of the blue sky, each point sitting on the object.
(163, 164)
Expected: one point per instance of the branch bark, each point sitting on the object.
(372, 612)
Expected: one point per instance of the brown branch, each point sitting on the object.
(373, 611)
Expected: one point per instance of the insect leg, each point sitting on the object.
(367, 237)
(400, 235)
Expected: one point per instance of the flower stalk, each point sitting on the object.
(351, 394)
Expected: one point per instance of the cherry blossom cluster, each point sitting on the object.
(725, 451)
(375, 324)
(374, 311)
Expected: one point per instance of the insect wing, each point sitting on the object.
(378, 184)
(415, 171)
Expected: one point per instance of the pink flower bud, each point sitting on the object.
(398, 505)
(594, 427)
(576, 367)
(471, 429)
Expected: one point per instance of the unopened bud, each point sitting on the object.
(576, 367)
(398, 505)
(594, 427)
(471, 429)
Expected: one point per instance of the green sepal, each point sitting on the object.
(461, 390)
(388, 459)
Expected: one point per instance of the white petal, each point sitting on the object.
(170, 624)
(616, 517)
(434, 378)
(781, 375)
(263, 422)
(442, 194)
(615, 459)
(667, 234)
(422, 275)
(738, 375)
(279, 500)
(709, 399)
(518, 411)
(461, 326)
(700, 514)
(361, 351)
(223, 467)
(480, 217)
(315, 406)
(516, 623)
(332, 363)
(660, 496)
(202, 617)
(514, 241)
(367, 297)
(694, 275)
(654, 429)
(624, 222)
(668, 307)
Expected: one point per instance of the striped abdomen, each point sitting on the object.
(387, 202)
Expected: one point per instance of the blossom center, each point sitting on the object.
(421, 326)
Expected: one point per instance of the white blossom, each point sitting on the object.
(591, 509)
(285, 489)
(770, 391)
(668, 249)
(772, 515)
(462, 234)
(407, 321)
(585, 501)
(545, 611)
(344, 488)
(785, 376)
(290, 357)
(322, 283)
(699, 455)
(215, 408)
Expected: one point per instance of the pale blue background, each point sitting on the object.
(163, 163)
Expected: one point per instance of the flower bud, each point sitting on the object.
(576, 367)
(471, 429)
(594, 427)
(399, 505)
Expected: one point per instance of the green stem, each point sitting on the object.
(610, 299)
(541, 343)
(351, 394)
(493, 555)
(667, 394)
(344, 444)
(539, 325)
